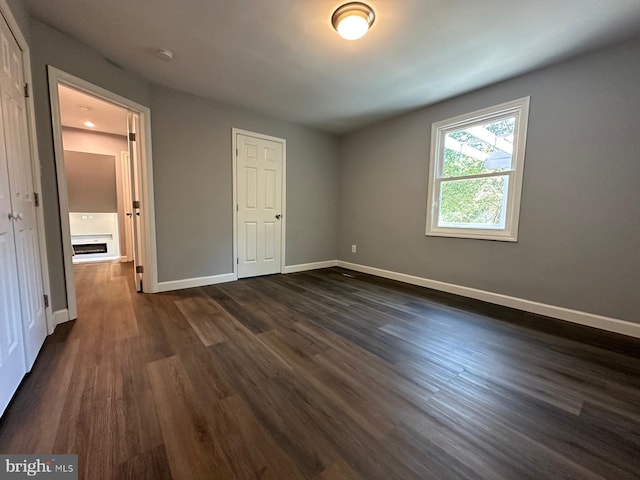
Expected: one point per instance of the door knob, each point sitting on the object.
(278, 216)
(12, 216)
(18, 216)
(128, 214)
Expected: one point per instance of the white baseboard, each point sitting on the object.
(60, 316)
(230, 277)
(575, 316)
(303, 267)
(77, 259)
(194, 282)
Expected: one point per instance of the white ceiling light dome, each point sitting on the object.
(353, 20)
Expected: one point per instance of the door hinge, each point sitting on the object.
(237, 152)
(132, 137)
(26, 90)
(139, 269)
(46, 300)
(36, 198)
(237, 260)
(136, 203)
(237, 207)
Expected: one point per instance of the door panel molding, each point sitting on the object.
(234, 148)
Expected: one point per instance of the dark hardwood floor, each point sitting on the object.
(321, 376)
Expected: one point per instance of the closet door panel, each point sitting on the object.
(12, 353)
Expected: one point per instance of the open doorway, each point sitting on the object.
(103, 165)
(97, 173)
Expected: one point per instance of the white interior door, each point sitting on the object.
(127, 202)
(259, 193)
(22, 311)
(137, 208)
(12, 358)
(23, 199)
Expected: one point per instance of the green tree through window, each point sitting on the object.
(475, 201)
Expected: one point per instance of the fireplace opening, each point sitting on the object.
(89, 248)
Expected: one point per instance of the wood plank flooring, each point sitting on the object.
(323, 376)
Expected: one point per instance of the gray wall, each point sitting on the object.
(91, 182)
(580, 215)
(20, 13)
(192, 169)
(579, 220)
(193, 185)
(49, 46)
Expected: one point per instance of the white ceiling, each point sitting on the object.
(283, 58)
(77, 107)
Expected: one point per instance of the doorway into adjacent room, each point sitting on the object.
(98, 177)
(103, 171)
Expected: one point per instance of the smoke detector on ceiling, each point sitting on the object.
(164, 54)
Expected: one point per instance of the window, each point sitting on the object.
(475, 173)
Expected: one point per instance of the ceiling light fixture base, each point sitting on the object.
(353, 20)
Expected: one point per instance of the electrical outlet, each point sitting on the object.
(353, 249)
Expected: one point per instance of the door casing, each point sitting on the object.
(283, 221)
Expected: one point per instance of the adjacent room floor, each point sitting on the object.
(319, 375)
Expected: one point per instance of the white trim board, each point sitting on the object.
(303, 267)
(231, 277)
(60, 316)
(575, 316)
(195, 282)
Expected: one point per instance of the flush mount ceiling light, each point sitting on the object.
(353, 20)
(89, 124)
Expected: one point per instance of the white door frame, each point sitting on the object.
(283, 224)
(35, 158)
(150, 275)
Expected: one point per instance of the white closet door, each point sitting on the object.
(21, 187)
(12, 358)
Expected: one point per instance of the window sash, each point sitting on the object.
(507, 199)
(465, 125)
(519, 111)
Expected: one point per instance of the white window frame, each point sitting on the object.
(518, 108)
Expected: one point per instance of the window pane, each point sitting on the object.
(474, 203)
(484, 148)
